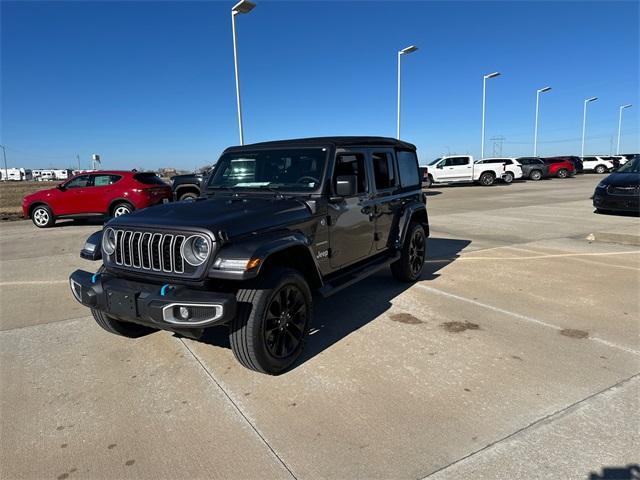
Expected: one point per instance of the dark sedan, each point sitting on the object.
(620, 191)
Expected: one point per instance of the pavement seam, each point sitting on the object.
(521, 317)
(550, 417)
(238, 409)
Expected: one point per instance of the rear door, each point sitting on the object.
(103, 190)
(352, 219)
(385, 182)
(589, 163)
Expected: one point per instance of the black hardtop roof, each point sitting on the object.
(327, 141)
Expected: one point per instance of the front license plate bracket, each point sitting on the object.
(122, 303)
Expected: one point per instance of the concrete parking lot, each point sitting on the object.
(517, 355)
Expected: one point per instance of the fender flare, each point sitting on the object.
(115, 201)
(405, 220)
(262, 249)
(33, 205)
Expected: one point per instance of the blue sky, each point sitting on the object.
(150, 84)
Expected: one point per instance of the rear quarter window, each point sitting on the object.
(408, 169)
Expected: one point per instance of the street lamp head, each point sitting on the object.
(407, 50)
(627, 105)
(592, 99)
(492, 75)
(243, 6)
(545, 89)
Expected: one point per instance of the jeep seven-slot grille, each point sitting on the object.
(159, 252)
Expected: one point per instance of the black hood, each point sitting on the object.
(234, 216)
(623, 179)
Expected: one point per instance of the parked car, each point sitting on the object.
(462, 168)
(186, 187)
(626, 157)
(424, 176)
(313, 214)
(576, 161)
(560, 167)
(533, 168)
(106, 192)
(620, 191)
(512, 169)
(597, 164)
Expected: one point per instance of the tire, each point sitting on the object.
(508, 178)
(563, 173)
(600, 169)
(188, 197)
(42, 217)
(535, 175)
(601, 211)
(429, 181)
(118, 327)
(121, 208)
(413, 254)
(487, 179)
(264, 336)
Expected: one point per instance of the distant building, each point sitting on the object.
(16, 174)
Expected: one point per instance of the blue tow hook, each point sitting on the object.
(94, 277)
(163, 290)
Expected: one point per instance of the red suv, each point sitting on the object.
(105, 192)
(560, 167)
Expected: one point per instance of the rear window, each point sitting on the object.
(408, 169)
(149, 178)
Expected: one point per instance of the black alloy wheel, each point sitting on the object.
(285, 321)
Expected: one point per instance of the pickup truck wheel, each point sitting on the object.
(409, 267)
(487, 179)
(188, 197)
(118, 327)
(268, 333)
(601, 169)
(535, 175)
(42, 217)
(563, 173)
(508, 177)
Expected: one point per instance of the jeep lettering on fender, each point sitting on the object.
(275, 221)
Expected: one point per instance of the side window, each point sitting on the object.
(589, 159)
(459, 161)
(351, 164)
(408, 169)
(383, 170)
(102, 180)
(78, 182)
(508, 162)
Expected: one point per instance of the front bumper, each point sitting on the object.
(620, 203)
(149, 304)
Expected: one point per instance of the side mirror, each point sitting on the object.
(61, 186)
(346, 185)
(440, 166)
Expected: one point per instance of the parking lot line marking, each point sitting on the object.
(237, 408)
(551, 255)
(543, 420)
(584, 260)
(519, 316)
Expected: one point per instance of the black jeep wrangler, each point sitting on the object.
(276, 221)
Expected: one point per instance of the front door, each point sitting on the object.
(352, 218)
(71, 199)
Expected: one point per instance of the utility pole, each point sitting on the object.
(78, 158)
(6, 172)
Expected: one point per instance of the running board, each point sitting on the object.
(346, 280)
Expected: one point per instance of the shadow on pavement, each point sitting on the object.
(349, 310)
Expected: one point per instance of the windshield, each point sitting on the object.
(296, 170)
(433, 162)
(632, 166)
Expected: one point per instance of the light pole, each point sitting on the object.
(535, 132)
(404, 51)
(243, 6)
(584, 121)
(484, 102)
(4, 155)
(622, 107)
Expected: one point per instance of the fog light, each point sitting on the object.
(184, 313)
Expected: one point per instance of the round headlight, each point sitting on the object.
(109, 241)
(195, 250)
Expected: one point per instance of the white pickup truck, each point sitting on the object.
(462, 168)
